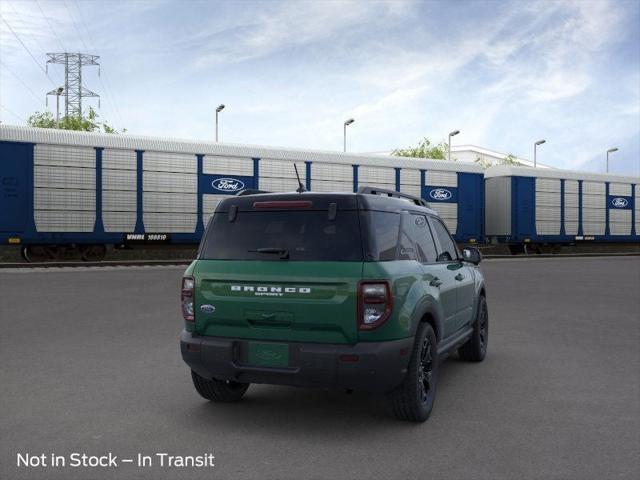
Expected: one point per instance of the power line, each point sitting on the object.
(11, 112)
(28, 51)
(51, 27)
(106, 84)
(35, 95)
(75, 26)
(25, 28)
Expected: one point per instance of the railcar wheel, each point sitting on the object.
(38, 253)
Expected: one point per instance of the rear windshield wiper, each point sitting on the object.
(284, 253)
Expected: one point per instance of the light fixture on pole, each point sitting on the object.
(451, 134)
(611, 150)
(535, 152)
(58, 93)
(218, 110)
(347, 122)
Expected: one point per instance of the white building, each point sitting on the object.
(470, 153)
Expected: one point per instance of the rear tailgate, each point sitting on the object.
(298, 301)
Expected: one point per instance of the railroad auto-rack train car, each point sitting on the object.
(531, 209)
(64, 190)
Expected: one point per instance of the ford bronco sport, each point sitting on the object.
(361, 291)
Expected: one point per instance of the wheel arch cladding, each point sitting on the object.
(427, 314)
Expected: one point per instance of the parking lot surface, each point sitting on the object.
(91, 364)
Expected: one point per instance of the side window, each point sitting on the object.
(383, 235)
(448, 250)
(426, 248)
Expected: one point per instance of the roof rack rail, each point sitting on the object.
(250, 191)
(392, 193)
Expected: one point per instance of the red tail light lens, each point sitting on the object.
(187, 298)
(375, 304)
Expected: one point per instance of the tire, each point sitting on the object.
(476, 347)
(413, 400)
(218, 390)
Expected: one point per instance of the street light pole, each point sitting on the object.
(451, 134)
(58, 93)
(535, 152)
(611, 150)
(344, 137)
(218, 110)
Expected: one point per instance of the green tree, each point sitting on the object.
(424, 149)
(510, 159)
(88, 123)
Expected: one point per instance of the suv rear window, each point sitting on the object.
(304, 235)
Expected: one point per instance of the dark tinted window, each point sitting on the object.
(382, 235)
(448, 249)
(303, 235)
(426, 248)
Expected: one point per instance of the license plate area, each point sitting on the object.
(268, 354)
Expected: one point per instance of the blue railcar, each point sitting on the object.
(77, 190)
(532, 208)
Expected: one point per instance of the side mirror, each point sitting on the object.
(472, 255)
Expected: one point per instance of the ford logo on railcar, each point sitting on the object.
(228, 184)
(619, 202)
(440, 194)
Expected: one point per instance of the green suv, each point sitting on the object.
(360, 291)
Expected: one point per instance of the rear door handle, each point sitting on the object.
(435, 282)
(459, 277)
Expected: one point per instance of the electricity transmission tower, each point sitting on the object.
(73, 91)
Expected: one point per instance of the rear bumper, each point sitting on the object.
(379, 367)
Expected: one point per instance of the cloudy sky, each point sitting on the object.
(504, 73)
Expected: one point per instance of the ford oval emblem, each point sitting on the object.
(440, 194)
(619, 202)
(207, 308)
(228, 184)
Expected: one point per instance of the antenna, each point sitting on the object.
(300, 188)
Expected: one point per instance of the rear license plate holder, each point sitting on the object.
(268, 354)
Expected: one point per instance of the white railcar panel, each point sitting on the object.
(119, 221)
(548, 199)
(598, 188)
(331, 186)
(169, 162)
(64, 199)
(547, 227)
(169, 222)
(214, 165)
(571, 200)
(384, 186)
(376, 175)
(279, 184)
(594, 201)
(119, 159)
(571, 228)
(119, 201)
(64, 156)
(64, 221)
(571, 186)
(410, 176)
(547, 185)
(121, 180)
(593, 228)
(411, 189)
(331, 171)
(441, 179)
(170, 182)
(64, 177)
(620, 222)
(281, 169)
(620, 189)
(161, 202)
(448, 212)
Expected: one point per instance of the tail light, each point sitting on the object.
(187, 297)
(375, 303)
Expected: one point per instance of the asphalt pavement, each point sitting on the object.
(90, 364)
